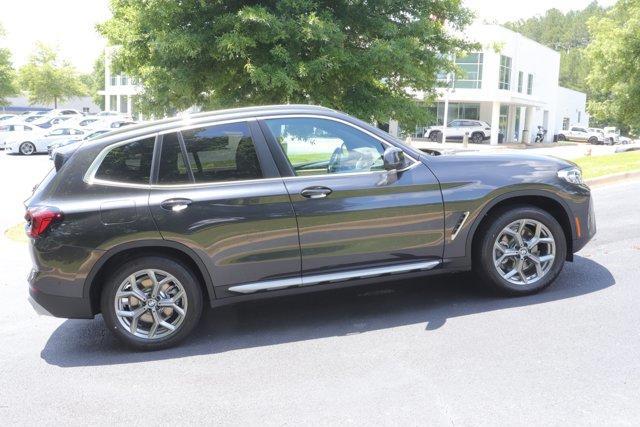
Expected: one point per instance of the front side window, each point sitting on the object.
(504, 81)
(214, 154)
(317, 146)
(129, 163)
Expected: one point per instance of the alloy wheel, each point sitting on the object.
(151, 304)
(524, 252)
(27, 148)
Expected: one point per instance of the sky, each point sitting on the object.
(69, 25)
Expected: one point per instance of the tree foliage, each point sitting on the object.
(49, 80)
(615, 49)
(7, 74)
(356, 56)
(567, 33)
(94, 82)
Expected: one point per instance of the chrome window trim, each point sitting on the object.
(90, 174)
(90, 178)
(316, 279)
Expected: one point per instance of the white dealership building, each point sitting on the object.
(512, 84)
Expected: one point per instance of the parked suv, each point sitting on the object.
(477, 130)
(581, 134)
(150, 223)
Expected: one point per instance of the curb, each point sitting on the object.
(608, 179)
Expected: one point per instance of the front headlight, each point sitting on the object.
(572, 175)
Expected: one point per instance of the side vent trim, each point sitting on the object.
(459, 224)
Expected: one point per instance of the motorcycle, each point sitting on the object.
(542, 132)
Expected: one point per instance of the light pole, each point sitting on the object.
(445, 118)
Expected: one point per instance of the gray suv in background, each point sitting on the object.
(150, 223)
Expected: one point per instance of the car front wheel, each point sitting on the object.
(151, 303)
(521, 252)
(435, 136)
(27, 148)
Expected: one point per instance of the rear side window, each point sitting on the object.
(173, 167)
(220, 153)
(129, 163)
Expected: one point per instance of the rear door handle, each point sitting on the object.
(175, 205)
(315, 192)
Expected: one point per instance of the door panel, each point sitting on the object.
(368, 219)
(244, 232)
(218, 195)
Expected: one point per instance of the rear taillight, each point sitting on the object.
(39, 220)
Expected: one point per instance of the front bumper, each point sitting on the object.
(584, 225)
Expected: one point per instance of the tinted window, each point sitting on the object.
(222, 153)
(320, 146)
(130, 163)
(173, 168)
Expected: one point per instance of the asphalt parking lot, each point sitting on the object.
(438, 351)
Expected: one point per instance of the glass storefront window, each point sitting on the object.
(504, 81)
(471, 71)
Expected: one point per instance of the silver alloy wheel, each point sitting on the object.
(27, 148)
(151, 304)
(524, 251)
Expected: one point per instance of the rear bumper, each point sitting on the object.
(56, 305)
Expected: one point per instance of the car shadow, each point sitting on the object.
(430, 301)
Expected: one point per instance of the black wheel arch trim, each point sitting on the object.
(146, 244)
(512, 195)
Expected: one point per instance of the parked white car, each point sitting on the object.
(4, 117)
(31, 144)
(13, 129)
(64, 112)
(477, 130)
(581, 134)
(91, 134)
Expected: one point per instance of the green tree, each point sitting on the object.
(566, 33)
(49, 80)
(615, 81)
(7, 74)
(356, 56)
(94, 81)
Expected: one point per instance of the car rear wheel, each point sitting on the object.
(561, 137)
(27, 148)
(151, 303)
(521, 252)
(593, 140)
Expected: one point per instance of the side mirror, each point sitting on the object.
(393, 158)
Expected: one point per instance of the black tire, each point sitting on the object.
(435, 136)
(593, 140)
(477, 137)
(561, 137)
(186, 278)
(27, 148)
(483, 263)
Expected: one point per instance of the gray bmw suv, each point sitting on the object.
(150, 223)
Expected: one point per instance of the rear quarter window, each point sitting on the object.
(129, 163)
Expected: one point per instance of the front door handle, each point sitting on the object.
(315, 192)
(175, 205)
